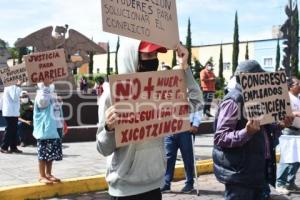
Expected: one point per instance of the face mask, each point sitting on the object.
(24, 100)
(209, 68)
(148, 65)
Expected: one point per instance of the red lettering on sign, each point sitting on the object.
(168, 81)
(124, 89)
(124, 136)
(149, 88)
(53, 74)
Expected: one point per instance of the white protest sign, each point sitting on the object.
(11, 75)
(48, 64)
(148, 20)
(149, 105)
(266, 96)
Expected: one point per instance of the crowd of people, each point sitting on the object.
(243, 150)
(97, 88)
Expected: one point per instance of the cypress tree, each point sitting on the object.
(189, 42)
(108, 60)
(116, 57)
(22, 51)
(277, 56)
(235, 53)
(295, 41)
(221, 62)
(247, 52)
(91, 65)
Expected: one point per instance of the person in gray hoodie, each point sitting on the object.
(136, 171)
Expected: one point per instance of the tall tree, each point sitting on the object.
(108, 60)
(277, 56)
(116, 57)
(247, 52)
(295, 41)
(189, 42)
(290, 30)
(235, 53)
(91, 65)
(21, 52)
(174, 61)
(3, 44)
(221, 67)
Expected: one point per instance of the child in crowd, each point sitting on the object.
(45, 131)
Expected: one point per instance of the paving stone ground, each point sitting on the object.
(82, 159)
(209, 189)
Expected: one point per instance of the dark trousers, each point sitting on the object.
(10, 137)
(208, 98)
(152, 195)
(236, 192)
(25, 133)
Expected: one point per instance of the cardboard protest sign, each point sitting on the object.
(11, 75)
(51, 64)
(266, 96)
(153, 21)
(149, 105)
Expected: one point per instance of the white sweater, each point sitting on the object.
(11, 101)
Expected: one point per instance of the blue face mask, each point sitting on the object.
(148, 65)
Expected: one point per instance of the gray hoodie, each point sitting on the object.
(136, 168)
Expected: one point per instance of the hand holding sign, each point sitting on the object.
(287, 122)
(111, 118)
(194, 129)
(182, 56)
(19, 82)
(252, 127)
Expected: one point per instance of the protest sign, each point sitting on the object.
(266, 96)
(149, 105)
(148, 20)
(11, 75)
(48, 64)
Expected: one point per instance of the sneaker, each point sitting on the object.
(22, 144)
(16, 150)
(165, 188)
(4, 151)
(187, 189)
(209, 115)
(293, 187)
(282, 190)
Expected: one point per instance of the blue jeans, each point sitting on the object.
(184, 142)
(286, 173)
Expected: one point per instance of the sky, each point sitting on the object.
(212, 21)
